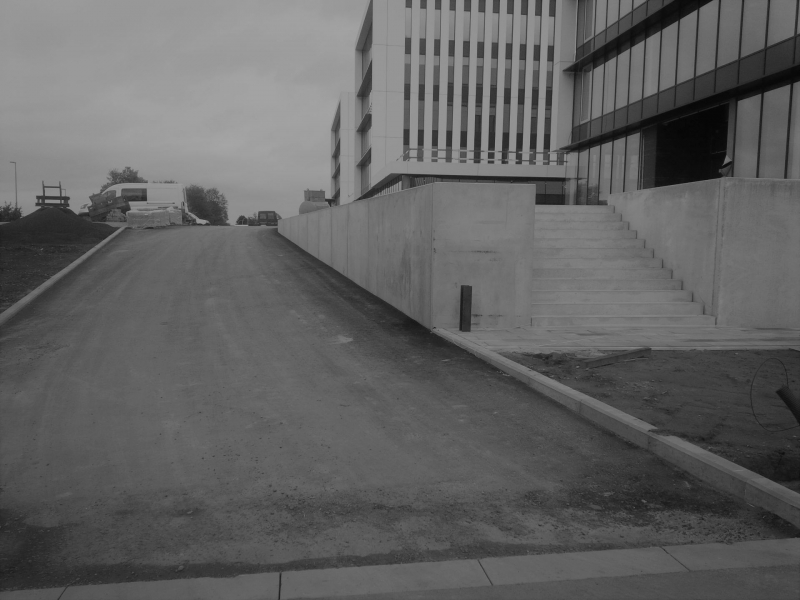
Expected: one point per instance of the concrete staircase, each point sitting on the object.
(589, 269)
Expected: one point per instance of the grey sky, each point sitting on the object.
(229, 94)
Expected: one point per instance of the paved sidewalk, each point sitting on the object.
(759, 569)
(530, 339)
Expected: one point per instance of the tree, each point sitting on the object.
(209, 204)
(242, 220)
(126, 175)
(10, 213)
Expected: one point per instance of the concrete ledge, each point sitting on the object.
(383, 579)
(12, 310)
(579, 565)
(714, 470)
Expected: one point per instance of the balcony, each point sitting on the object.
(366, 84)
(366, 119)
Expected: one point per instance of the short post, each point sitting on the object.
(465, 316)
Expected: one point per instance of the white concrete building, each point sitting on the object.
(342, 150)
(460, 90)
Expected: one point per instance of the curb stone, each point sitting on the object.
(721, 474)
(12, 310)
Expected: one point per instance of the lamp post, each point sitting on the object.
(15, 182)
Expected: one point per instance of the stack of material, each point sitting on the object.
(143, 219)
(115, 216)
(175, 216)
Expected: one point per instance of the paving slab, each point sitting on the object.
(579, 565)
(263, 586)
(760, 553)
(383, 579)
(775, 583)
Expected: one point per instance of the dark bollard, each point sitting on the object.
(465, 316)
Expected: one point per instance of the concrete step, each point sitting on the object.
(573, 208)
(581, 273)
(587, 283)
(583, 243)
(593, 253)
(608, 296)
(568, 216)
(596, 263)
(570, 225)
(584, 234)
(617, 309)
(611, 321)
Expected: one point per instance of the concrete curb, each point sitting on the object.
(714, 470)
(12, 310)
(446, 575)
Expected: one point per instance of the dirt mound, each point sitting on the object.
(54, 226)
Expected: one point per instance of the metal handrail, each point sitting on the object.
(507, 157)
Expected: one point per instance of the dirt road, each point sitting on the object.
(215, 400)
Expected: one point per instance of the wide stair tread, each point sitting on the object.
(627, 321)
(590, 269)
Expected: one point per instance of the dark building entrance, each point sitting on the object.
(690, 148)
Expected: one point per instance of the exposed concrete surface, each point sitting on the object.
(216, 399)
(415, 248)
(733, 241)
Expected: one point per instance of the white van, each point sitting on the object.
(142, 196)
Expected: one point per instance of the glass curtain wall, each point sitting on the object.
(548, 98)
(767, 142)
(688, 56)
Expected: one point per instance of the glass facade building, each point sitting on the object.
(597, 96)
(668, 92)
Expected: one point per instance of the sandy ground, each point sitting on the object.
(702, 396)
(213, 401)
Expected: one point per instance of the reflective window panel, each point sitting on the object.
(774, 133)
(707, 37)
(748, 114)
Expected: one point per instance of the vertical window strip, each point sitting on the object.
(537, 62)
(407, 84)
(477, 137)
(507, 81)
(548, 99)
(437, 42)
(465, 79)
(423, 16)
(523, 44)
(451, 67)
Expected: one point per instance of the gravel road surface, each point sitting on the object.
(214, 401)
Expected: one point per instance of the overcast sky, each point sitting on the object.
(228, 94)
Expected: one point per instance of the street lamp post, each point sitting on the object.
(15, 182)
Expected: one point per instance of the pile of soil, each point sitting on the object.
(703, 397)
(54, 226)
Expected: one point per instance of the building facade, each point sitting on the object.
(342, 148)
(582, 97)
(464, 90)
(670, 91)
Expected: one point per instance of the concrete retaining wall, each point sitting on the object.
(734, 242)
(414, 249)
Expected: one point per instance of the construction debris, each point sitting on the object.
(610, 359)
